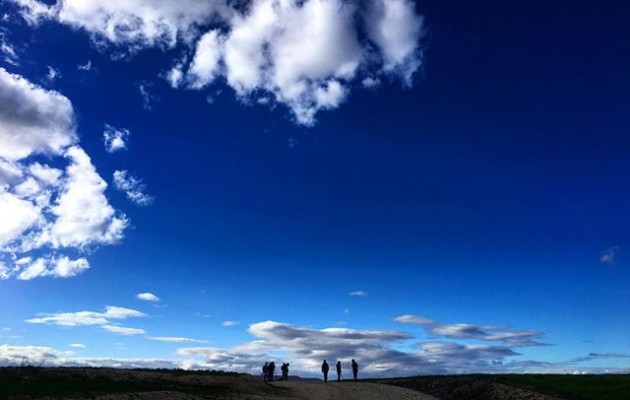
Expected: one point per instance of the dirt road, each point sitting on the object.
(349, 391)
(294, 391)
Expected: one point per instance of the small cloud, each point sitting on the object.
(53, 74)
(413, 319)
(610, 255)
(147, 98)
(85, 67)
(133, 188)
(148, 297)
(370, 82)
(8, 51)
(358, 293)
(121, 330)
(115, 139)
(78, 345)
(169, 339)
(231, 323)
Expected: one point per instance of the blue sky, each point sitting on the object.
(427, 187)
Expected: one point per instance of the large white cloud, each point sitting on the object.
(305, 54)
(136, 23)
(34, 120)
(48, 208)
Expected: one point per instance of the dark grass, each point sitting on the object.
(582, 387)
(479, 387)
(17, 383)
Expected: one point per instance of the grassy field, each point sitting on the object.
(34, 382)
(473, 387)
(587, 387)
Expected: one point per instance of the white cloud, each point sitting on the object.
(120, 330)
(136, 23)
(77, 345)
(148, 297)
(175, 76)
(395, 28)
(171, 339)
(8, 51)
(358, 293)
(17, 216)
(370, 82)
(376, 351)
(87, 318)
(33, 120)
(115, 139)
(53, 74)
(305, 54)
(44, 207)
(147, 98)
(413, 319)
(85, 67)
(133, 188)
(204, 67)
(62, 267)
(84, 215)
(610, 255)
(230, 323)
(509, 337)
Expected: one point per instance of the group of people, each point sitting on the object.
(270, 368)
(326, 368)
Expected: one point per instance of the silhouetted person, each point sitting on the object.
(338, 371)
(325, 369)
(355, 369)
(272, 368)
(285, 371)
(265, 371)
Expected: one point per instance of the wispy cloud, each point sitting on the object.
(86, 318)
(115, 139)
(147, 296)
(53, 74)
(133, 188)
(231, 323)
(120, 330)
(358, 293)
(306, 55)
(509, 337)
(147, 98)
(609, 256)
(85, 67)
(8, 51)
(413, 319)
(171, 339)
(77, 345)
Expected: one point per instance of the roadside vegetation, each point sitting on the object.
(17, 383)
(493, 387)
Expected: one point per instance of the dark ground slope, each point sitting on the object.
(517, 387)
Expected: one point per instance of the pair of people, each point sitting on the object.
(268, 370)
(270, 367)
(326, 368)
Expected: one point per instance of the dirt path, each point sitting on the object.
(349, 391)
(293, 391)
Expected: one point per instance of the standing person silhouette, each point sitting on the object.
(265, 371)
(325, 369)
(355, 369)
(338, 371)
(272, 368)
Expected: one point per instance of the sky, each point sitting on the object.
(428, 187)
